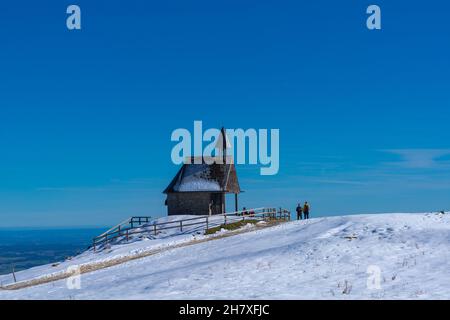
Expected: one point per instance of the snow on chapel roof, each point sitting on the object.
(205, 177)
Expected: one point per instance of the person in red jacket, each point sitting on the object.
(306, 209)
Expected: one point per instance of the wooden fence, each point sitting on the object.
(140, 225)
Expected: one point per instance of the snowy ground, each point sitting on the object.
(324, 258)
(137, 244)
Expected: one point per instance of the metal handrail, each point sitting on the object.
(115, 227)
(126, 228)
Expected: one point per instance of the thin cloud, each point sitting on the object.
(347, 182)
(69, 189)
(420, 158)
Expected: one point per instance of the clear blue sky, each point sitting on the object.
(86, 116)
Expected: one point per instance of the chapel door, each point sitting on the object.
(217, 203)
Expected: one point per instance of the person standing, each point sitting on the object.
(299, 211)
(306, 209)
(211, 203)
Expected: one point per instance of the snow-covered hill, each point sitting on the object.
(324, 258)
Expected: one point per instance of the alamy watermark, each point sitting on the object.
(374, 20)
(74, 281)
(73, 21)
(374, 278)
(238, 146)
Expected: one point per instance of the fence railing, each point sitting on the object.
(140, 225)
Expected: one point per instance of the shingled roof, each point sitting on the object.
(205, 178)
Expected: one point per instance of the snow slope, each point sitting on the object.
(137, 244)
(324, 258)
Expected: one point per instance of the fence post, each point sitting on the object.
(14, 273)
(207, 223)
(128, 238)
(154, 227)
(225, 218)
(181, 225)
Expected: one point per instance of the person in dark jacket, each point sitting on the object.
(306, 210)
(299, 211)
